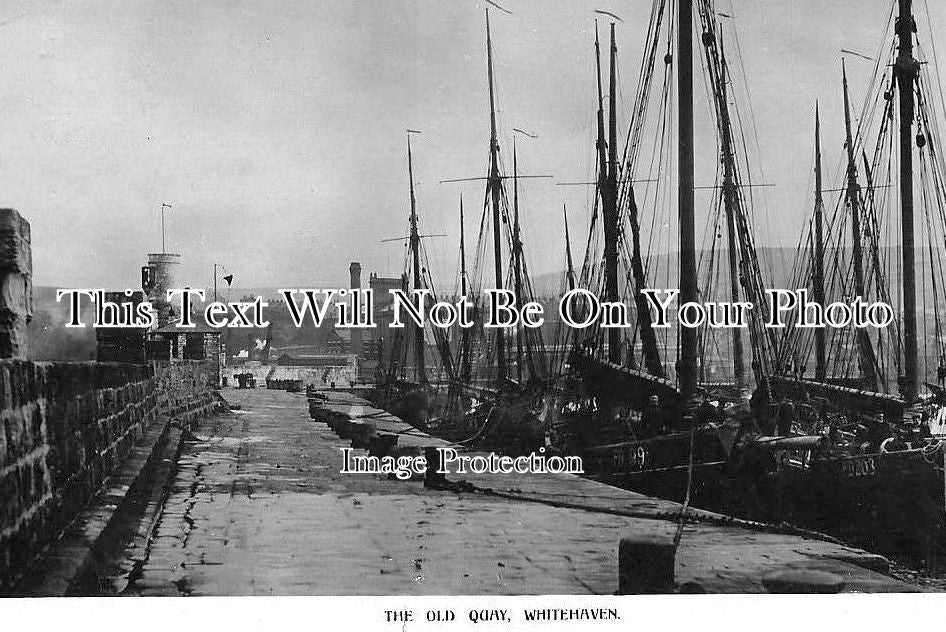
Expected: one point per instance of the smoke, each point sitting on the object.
(50, 339)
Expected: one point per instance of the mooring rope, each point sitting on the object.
(686, 499)
(673, 515)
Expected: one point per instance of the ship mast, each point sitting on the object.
(611, 212)
(731, 202)
(648, 338)
(516, 254)
(494, 184)
(463, 289)
(570, 278)
(570, 274)
(465, 367)
(905, 72)
(818, 268)
(865, 351)
(687, 364)
(607, 185)
(419, 367)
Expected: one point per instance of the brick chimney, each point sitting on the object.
(357, 346)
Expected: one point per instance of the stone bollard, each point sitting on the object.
(361, 433)
(332, 419)
(382, 444)
(342, 427)
(16, 283)
(433, 478)
(645, 565)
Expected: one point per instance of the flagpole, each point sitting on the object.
(164, 247)
(215, 283)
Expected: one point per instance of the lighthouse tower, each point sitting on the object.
(159, 276)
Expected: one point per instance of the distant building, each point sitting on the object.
(121, 344)
(377, 339)
(173, 342)
(167, 341)
(381, 287)
(253, 368)
(337, 342)
(321, 371)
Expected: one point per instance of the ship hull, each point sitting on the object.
(661, 465)
(891, 503)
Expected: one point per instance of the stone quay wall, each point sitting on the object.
(65, 427)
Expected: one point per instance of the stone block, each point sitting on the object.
(15, 242)
(37, 423)
(343, 428)
(361, 433)
(6, 393)
(382, 444)
(18, 442)
(8, 496)
(16, 283)
(646, 565)
(4, 454)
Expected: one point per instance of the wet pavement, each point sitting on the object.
(258, 507)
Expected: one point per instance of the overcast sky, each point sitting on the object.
(276, 129)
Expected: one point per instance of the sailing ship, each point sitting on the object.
(734, 423)
(400, 393)
(840, 451)
(490, 390)
(633, 424)
(880, 481)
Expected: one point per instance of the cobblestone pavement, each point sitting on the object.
(259, 508)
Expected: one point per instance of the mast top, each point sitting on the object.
(410, 174)
(818, 191)
(494, 142)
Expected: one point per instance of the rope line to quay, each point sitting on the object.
(679, 516)
(671, 515)
(686, 499)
